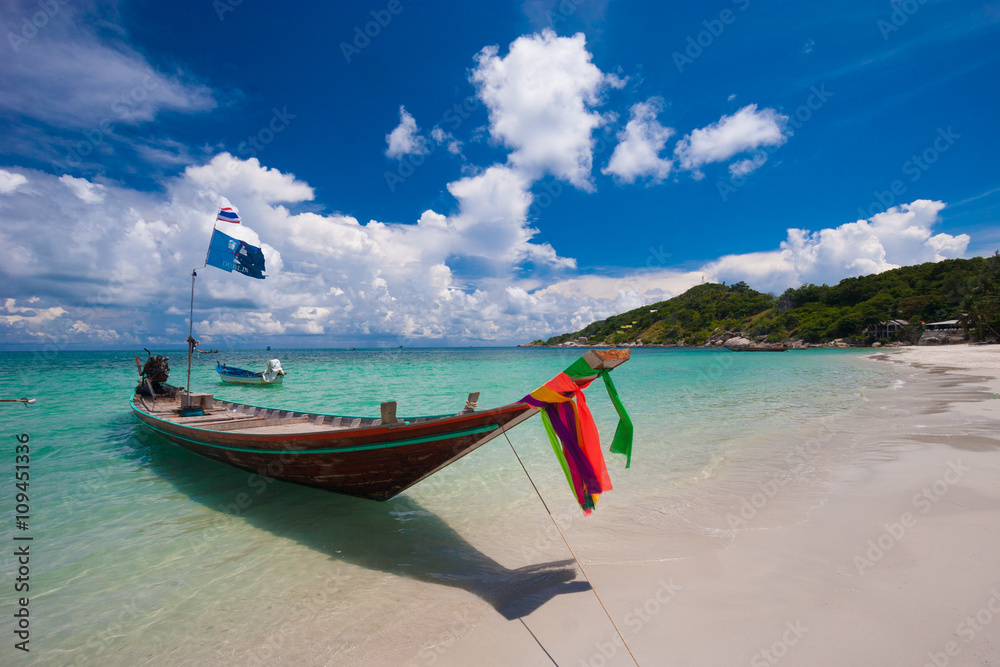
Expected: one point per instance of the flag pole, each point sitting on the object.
(190, 339)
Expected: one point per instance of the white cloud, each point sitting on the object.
(28, 317)
(747, 129)
(10, 181)
(240, 325)
(92, 193)
(242, 180)
(462, 276)
(94, 333)
(69, 77)
(331, 275)
(442, 137)
(540, 98)
(639, 144)
(328, 274)
(404, 140)
(898, 237)
(748, 165)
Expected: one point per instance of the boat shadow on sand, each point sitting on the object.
(399, 536)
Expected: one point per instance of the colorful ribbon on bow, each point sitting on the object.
(573, 433)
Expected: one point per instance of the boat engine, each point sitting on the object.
(155, 372)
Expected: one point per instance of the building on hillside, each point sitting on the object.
(945, 325)
(886, 329)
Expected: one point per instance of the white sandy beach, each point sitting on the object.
(893, 560)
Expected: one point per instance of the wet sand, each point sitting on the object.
(889, 556)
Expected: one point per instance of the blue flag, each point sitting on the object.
(230, 254)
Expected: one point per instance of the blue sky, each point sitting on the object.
(476, 173)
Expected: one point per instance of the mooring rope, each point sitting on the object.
(566, 542)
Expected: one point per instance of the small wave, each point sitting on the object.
(710, 467)
(711, 531)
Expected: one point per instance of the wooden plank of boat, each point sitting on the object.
(368, 457)
(374, 462)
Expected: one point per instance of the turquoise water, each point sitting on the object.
(143, 553)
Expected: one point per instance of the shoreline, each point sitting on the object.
(892, 565)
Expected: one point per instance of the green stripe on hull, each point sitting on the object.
(356, 448)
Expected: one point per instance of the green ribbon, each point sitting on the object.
(622, 443)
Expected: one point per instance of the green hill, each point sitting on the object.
(966, 289)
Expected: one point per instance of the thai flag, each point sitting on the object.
(227, 214)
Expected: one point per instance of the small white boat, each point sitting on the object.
(273, 374)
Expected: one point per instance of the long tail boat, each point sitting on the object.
(273, 374)
(368, 457)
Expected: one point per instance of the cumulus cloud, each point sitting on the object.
(540, 98)
(639, 144)
(92, 193)
(900, 236)
(442, 137)
(404, 139)
(748, 165)
(327, 273)
(746, 130)
(28, 315)
(114, 272)
(330, 274)
(10, 181)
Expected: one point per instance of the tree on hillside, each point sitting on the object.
(981, 302)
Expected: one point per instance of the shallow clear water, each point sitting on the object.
(146, 554)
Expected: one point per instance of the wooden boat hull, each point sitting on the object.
(371, 461)
(240, 376)
(367, 457)
(240, 379)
